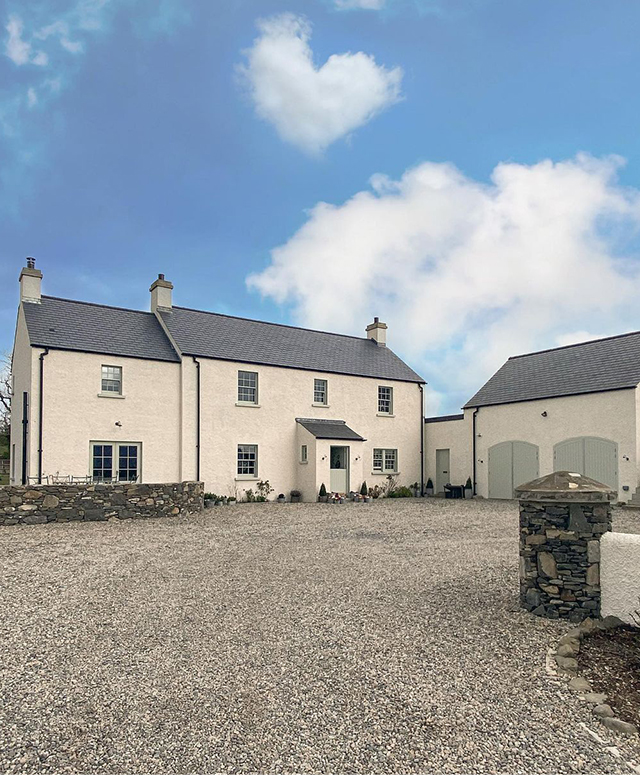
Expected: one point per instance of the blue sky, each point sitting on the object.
(193, 139)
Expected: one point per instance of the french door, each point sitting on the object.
(115, 461)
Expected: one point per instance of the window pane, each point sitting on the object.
(102, 467)
(377, 460)
(248, 386)
(320, 391)
(247, 460)
(385, 399)
(111, 379)
(127, 462)
(390, 459)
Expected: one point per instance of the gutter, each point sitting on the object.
(197, 362)
(473, 447)
(41, 412)
(422, 430)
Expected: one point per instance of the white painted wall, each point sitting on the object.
(620, 575)
(285, 394)
(74, 414)
(610, 415)
(22, 374)
(454, 435)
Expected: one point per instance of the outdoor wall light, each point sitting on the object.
(118, 423)
(357, 458)
(544, 414)
(625, 457)
(324, 457)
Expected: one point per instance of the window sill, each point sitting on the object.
(384, 414)
(248, 403)
(246, 478)
(304, 462)
(385, 473)
(320, 406)
(110, 395)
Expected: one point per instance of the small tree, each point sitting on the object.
(364, 490)
(5, 394)
(323, 490)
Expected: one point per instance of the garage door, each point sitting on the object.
(511, 463)
(589, 456)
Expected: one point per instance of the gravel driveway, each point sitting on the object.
(296, 638)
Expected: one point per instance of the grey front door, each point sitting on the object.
(339, 463)
(443, 457)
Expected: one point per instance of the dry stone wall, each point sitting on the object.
(38, 504)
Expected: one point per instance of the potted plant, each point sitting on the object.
(281, 498)
(416, 489)
(264, 490)
(323, 497)
(364, 490)
(209, 500)
(468, 488)
(429, 487)
(231, 499)
(296, 496)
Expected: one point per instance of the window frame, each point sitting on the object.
(325, 392)
(106, 391)
(304, 453)
(247, 476)
(115, 461)
(243, 401)
(382, 456)
(382, 401)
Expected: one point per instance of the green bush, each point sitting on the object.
(401, 492)
(323, 490)
(364, 490)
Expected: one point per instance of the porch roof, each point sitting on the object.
(329, 429)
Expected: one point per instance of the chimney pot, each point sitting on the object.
(31, 262)
(160, 277)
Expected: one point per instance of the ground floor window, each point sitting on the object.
(247, 460)
(304, 453)
(115, 462)
(385, 460)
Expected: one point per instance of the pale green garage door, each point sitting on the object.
(589, 456)
(511, 463)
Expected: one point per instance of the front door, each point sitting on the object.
(442, 469)
(339, 460)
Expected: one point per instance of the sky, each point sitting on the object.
(466, 170)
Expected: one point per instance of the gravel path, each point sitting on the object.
(297, 638)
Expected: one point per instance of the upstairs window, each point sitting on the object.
(304, 453)
(320, 391)
(385, 400)
(385, 460)
(248, 387)
(112, 379)
(247, 460)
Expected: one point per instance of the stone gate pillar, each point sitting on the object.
(562, 518)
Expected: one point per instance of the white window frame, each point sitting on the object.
(246, 476)
(385, 401)
(111, 370)
(246, 387)
(304, 454)
(324, 391)
(381, 455)
(115, 459)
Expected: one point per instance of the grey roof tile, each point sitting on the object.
(590, 367)
(329, 429)
(211, 335)
(77, 325)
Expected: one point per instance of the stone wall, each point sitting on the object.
(562, 519)
(37, 504)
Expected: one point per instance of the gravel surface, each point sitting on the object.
(284, 638)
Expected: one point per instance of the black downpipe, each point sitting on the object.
(473, 447)
(197, 362)
(41, 412)
(25, 434)
(421, 441)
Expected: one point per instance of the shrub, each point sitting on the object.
(210, 496)
(401, 492)
(249, 495)
(468, 485)
(429, 484)
(295, 493)
(363, 489)
(323, 490)
(260, 499)
(264, 489)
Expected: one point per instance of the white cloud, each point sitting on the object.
(466, 273)
(366, 5)
(18, 50)
(32, 97)
(312, 106)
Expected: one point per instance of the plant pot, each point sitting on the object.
(468, 493)
(367, 499)
(429, 491)
(323, 498)
(281, 500)
(208, 503)
(295, 498)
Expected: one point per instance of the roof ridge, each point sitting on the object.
(281, 325)
(320, 419)
(94, 304)
(575, 344)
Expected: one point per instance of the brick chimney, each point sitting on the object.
(378, 332)
(161, 294)
(30, 283)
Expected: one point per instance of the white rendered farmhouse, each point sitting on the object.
(177, 394)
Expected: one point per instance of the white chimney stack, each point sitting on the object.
(31, 283)
(161, 295)
(378, 332)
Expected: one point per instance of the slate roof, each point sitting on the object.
(590, 367)
(329, 429)
(77, 325)
(211, 335)
(445, 418)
